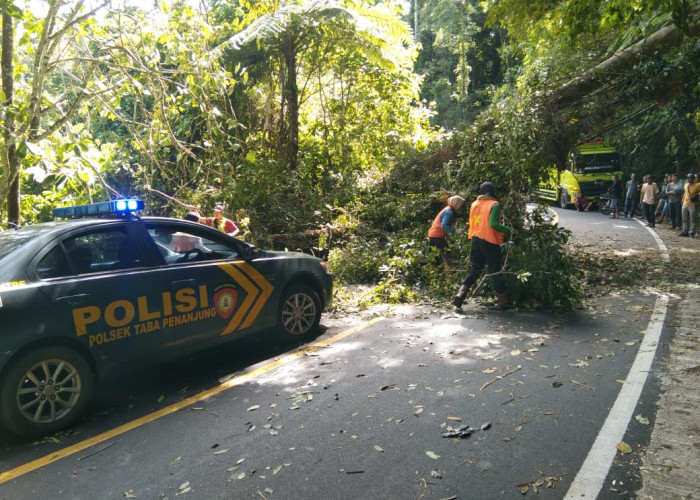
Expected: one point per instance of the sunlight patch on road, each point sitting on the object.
(630, 252)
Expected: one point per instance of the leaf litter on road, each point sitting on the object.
(184, 488)
(624, 448)
(300, 397)
(543, 480)
(464, 431)
(500, 377)
(642, 420)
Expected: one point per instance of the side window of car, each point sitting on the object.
(102, 251)
(178, 245)
(53, 265)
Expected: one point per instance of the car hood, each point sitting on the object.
(271, 254)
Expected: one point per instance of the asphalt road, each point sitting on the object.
(368, 408)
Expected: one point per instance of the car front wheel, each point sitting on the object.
(299, 311)
(44, 391)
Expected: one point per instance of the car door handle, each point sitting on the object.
(182, 282)
(73, 300)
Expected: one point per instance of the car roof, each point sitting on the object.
(13, 239)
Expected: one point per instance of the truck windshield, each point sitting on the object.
(601, 162)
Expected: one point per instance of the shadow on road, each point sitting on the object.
(140, 390)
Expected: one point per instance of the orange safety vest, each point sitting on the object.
(225, 225)
(479, 221)
(436, 230)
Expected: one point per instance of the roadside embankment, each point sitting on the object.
(671, 461)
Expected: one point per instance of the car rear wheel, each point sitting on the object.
(45, 390)
(299, 311)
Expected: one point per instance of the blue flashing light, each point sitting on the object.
(116, 207)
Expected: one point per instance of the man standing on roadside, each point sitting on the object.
(631, 195)
(661, 211)
(615, 191)
(691, 198)
(674, 189)
(650, 195)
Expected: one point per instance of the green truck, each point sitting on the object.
(589, 171)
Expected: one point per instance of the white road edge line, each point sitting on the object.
(662, 246)
(590, 478)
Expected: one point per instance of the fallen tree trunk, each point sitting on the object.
(576, 90)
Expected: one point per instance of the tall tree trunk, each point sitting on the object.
(9, 159)
(291, 97)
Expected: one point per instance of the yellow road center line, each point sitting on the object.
(555, 218)
(100, 438)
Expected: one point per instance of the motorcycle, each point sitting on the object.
(604, 204)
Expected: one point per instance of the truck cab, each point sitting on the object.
(589, 170)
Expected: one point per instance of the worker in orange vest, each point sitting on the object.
(486, 232)
(443, 225)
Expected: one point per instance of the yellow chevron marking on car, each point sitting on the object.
(266, 291)
(252, 293)
(257, 288)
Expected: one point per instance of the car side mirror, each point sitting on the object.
(250, 252)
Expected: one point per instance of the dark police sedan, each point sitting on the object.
(81, 297)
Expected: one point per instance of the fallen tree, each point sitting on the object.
(661, 41)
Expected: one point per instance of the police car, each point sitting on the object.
(104, 288)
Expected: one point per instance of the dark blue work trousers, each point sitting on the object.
(484, 254)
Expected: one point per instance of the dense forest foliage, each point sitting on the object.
(357, 117)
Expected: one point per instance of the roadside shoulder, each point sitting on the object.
(671, 460)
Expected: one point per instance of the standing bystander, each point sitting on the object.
(615, 191)
(662, 207)
(674, 190)
(691, 200)
(650, 194)
(631, 195)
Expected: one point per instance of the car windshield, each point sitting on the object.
(15, 238)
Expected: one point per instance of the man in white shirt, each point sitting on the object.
(650, 195)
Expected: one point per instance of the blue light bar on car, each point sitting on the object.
(115, 207)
